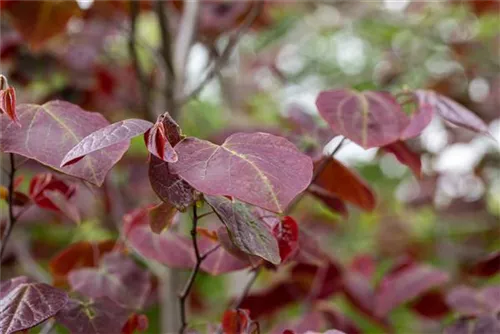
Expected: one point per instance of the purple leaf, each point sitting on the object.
(471, 302)
(63, 205)
(451, 111)
(405, 156)
(219, 261)
(49, 131)
(169, 187)
(157, 142)
(370, 119)
(25, 304)
(406, 284)
(257, 168)
(247, 231)
(117, 277)
(487, 324)
(110, 135)
(418, 122)
(161, 217)
(99, 316)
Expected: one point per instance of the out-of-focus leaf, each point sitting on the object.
(101, 315)
(405, 156)
(370, 119)
(25, 304)
(39, 21)
(161, 216)
(486, 267)
(431, 305)
(404, 285)
(329, 199)
(120, 132)
(42, 183)
(248, 232)
(236, 321)
(470, 302)
(487, 324)
(136, 322)
(50, 130)
(78, 255)
(257, 168)
(342, 182)
(60, 201)
(117, 277)
(287, 234)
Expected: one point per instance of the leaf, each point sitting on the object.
(78, 255)
(405, 156)
(136, 322)
(8, 104)
(484, 325)
(431, 305)
(287, 234)
(342, 182)
(107, 136)
(451, 111)
(25, 304)
(471, 302)
(486, 267)
(157, 141)
(169, 187)
(117, 277)
(418, 122)
(161, 217)
(360, 293)
(39, 21)
(370, 119)
(47, 182)
(59, 200)
(219, 261)
(99, 316)
(50, 130)
(406, 284)
(329, 199)
(247, 231)
(228, 245)
(257, 168)
(236, 321)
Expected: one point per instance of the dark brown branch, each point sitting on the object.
(10, 197)
(224, 56)
(189, 284)
(141, 78)
(166, 53)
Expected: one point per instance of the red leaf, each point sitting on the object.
(451, 111)
(136, 322)
(247, 230)
(161, 217)
(78, 255)
(8, 104)
(486, 267)
(116, 133)
(405, 156)
(25, 304)
(431, 305)
(68, 125)
(41, 183)
(339, 180)
(287, 234)
(157, 141)
(329, 199)
(370, 119)
(406, 284)
(98, 316)
(59, 200)
(257, 168)
(236, 321)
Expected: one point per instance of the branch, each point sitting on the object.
(143, 82)
(316, 174)
(189, 284)
(223, 58)
(12, 218)
(166, 53)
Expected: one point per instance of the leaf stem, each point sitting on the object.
(189, 284)
(12, 218)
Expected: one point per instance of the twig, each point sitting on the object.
(143, 82)
(166, 53)
(316, 174)
(12, 218)
(189, 284)
(248, 286)
(224, 56)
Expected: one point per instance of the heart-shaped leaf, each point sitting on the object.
(50, 130)
(247, 230)
(117, 277)
(257, 168)
(101, 315)
(451, 111)
(25, 304)
(342, 182)
(370, 119)
(107, 136)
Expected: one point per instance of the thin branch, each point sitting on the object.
(316, 174)
(166, 52)
(224, 56)
(189, 284)
(12, 218)
(132, 47)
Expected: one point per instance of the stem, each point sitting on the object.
(189, 284)
(141, 78)
(316, 174)
(248, 286)
(12, 218)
